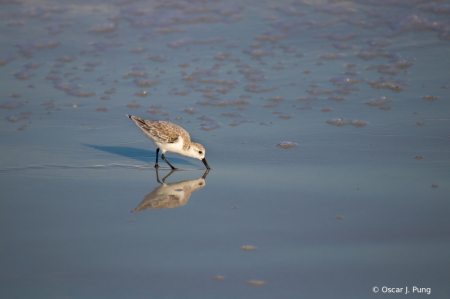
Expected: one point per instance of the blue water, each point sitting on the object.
(347, 209)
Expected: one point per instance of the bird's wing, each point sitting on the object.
(163, 131)
(168, 132)
(160, 130)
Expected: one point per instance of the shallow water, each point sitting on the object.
(352, 197)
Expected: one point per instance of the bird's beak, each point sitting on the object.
(206, 164)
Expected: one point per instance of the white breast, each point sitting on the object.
(175, 147)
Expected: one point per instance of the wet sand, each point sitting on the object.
(325, 125)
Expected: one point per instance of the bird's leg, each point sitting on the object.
(157, 152)
(164, 158)
(164, 179)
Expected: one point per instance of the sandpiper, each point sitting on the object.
(169, 137)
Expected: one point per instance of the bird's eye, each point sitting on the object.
(200, 152)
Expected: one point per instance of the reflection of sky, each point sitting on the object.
(361, 90)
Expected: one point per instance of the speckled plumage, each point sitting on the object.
(163, 131)
(169, 137)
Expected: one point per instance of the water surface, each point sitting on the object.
(358, 89)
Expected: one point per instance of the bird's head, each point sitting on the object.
(198, 151)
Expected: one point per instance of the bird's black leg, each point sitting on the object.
(157, 152)
(164, 158)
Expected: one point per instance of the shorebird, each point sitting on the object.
(169, 137)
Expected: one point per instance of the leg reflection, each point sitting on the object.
(164, 179)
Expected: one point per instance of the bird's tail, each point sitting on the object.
(140, 122)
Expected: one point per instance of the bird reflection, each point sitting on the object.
(170, 195)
